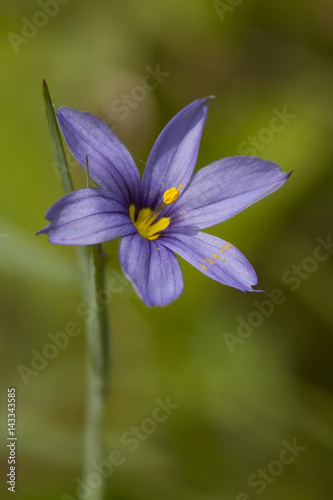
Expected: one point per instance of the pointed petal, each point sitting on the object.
(153, 270)
(86, 217)
(110, 164)
(224, 188)
(174, 153)
(214, 257)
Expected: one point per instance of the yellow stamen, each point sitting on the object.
(171, 195)
(144, 223)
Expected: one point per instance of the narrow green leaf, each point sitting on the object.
(57, 144)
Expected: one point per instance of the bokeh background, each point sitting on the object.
(239, 401)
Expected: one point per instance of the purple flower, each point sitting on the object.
(162, 213)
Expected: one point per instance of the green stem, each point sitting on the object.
(97, 373)
(92, 265)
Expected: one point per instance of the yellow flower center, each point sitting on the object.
(144, 222)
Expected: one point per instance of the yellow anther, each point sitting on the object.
(144, 219)
(171, 195)
(145, 223)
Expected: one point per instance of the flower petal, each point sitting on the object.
(86, 217)
(214, 257)
(174, 153)
(153, 270)
(224, 188)
(110, 164)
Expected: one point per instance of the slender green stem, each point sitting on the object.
(92, 265)
(97, 373)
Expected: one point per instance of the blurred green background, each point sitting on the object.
(239, 401)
